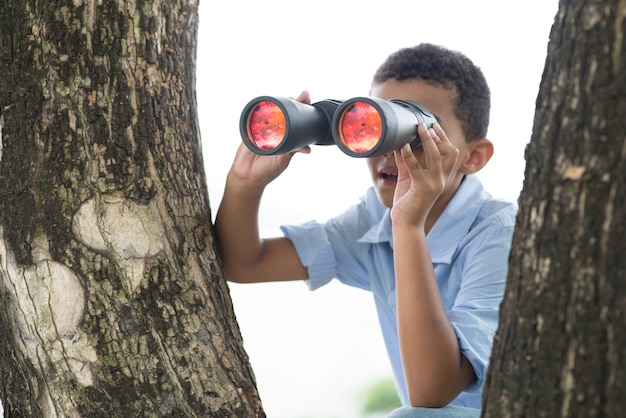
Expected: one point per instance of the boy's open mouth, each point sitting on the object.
(388, 177)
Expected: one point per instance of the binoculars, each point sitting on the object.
(360, 127)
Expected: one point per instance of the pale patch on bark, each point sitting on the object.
(2, 111)
(568, 382)
(574, 172)
(49, 302)
(126, 231)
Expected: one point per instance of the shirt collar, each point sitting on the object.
(456, 219)
(449, 229)
(380, 219)
(380, 231)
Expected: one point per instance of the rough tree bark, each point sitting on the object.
(559, 350)
(113, 302)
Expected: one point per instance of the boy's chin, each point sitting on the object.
(386, 199)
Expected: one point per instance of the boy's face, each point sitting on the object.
(436, 99)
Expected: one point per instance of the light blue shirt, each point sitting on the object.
(469, 246)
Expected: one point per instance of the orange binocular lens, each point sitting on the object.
(360, 127)
(266, 125)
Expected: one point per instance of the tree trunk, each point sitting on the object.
(559, 350)
(113, 299)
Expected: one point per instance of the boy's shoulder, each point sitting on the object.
(473, 206)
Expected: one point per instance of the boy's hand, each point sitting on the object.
(423, 176)
(260, 170)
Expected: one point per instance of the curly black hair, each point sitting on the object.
(451, 70)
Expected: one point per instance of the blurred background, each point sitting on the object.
(320, 354)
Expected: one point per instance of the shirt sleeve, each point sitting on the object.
(330, 250)
(315, 252)
(474, 314)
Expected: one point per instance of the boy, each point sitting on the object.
(427, 240)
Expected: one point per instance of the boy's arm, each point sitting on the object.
(247, 258)
(435, 369)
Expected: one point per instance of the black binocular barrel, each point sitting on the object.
(278, 125)
(360, 127)
(370, 126)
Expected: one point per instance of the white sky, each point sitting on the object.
(314, 352)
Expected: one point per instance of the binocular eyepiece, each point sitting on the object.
(360, 127)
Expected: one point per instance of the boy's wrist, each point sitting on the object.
(403, 228)
(242, 184)
(407, 219)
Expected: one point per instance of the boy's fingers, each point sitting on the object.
(304, 97)
(434, 135)
(425, 135)
(304, 150)
(440, 132)
(446, 148)
(430, 143)
(406, 156)
(406, 161)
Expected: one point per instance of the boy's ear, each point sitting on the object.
(480, 152)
